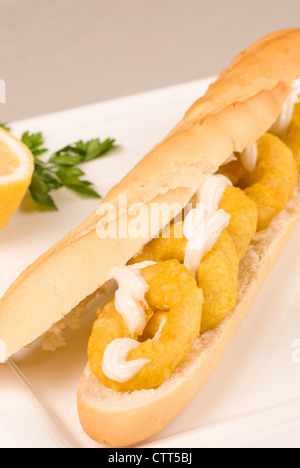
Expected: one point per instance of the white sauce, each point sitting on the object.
(281, 125)
(129, 300)
(202, 231)
(130, 297)
(211, 192)
(115, 365)
(141, 265)
(249, 157)
(204, 224)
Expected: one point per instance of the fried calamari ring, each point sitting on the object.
(217, 276)
(172, 288)
(218, 272)
(155, 325)
(169, 245)
(243, 221)
(233, 170)
(273, 181)
(242, 227)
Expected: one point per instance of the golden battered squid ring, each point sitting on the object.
(218, 272)
(243, 218)
(169, 245)
(242, 227)
(217, 276)
(173, 290)
(234, 171)
(272, 183)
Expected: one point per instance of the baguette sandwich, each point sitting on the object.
(229, 170)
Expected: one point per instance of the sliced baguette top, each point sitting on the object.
(236, 110)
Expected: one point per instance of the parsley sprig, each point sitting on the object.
(61, 169)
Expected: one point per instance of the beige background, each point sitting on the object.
(58, 54)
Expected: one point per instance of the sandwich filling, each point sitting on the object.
(185, 282)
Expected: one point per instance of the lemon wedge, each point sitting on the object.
(16, 169)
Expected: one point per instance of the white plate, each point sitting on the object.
(253, 397)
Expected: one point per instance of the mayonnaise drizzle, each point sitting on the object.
(282, 123)
(249, 157)
(204, 224)
(210, 193)
(115, 365)
(202, 231)
(129, 300)
(130, 297)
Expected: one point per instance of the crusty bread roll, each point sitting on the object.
(241, 95)
(236, 110)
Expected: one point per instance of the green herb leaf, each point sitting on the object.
(43, 199)
(39, 190)
(82, 189)
(66, 159)
(34, 141)
(81, 152)
(49, 179)
(70, 177)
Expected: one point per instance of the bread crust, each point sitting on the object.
(237, 109)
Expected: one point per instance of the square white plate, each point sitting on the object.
(252, 400)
